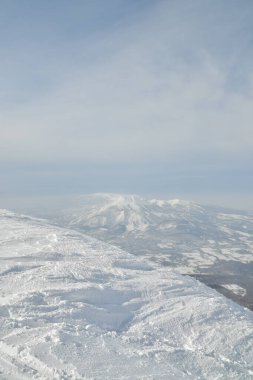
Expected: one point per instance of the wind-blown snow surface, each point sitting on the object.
(72, 307)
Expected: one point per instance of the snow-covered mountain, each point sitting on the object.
(213, 244)
(72, 307)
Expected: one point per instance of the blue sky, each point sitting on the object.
(148, 97)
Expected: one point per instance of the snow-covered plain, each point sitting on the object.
(72, 307)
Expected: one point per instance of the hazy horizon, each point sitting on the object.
(39, 204)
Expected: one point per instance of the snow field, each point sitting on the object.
(72, 307)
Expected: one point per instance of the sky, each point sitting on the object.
(136, 96)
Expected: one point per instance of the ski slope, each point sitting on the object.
(73, 307)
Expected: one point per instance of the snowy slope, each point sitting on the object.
(72, 307)
(213, 244)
